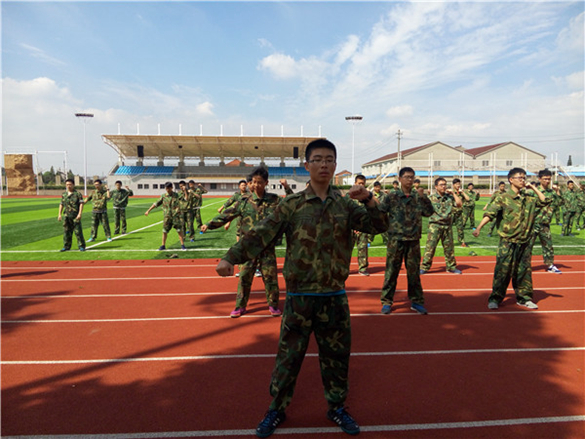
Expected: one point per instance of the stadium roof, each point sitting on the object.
(157, 146)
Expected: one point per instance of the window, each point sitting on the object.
(437, 163)
(146, 186)
(509, 162)
(213, 186)
(139, 186)
(155, 186)
(485, 163)
(293, 186)
(223, 186)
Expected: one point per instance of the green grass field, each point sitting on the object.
(30, 231)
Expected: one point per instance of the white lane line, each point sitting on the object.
(94, 279)
(231, 293)
(121, 236)
(255, 356)
(262, 316)
(196, 265)
(318, 430)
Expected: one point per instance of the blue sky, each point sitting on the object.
(471, 74)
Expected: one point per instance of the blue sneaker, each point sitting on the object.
(183, 247)
(162, 247)
(64, 249)
(81, 249)
(418, 308)
(109, 239)
(423, 271)
(90, 240)
(271, 420)
(386, 309)
(187, 232)
(455, 271)
(344, 420)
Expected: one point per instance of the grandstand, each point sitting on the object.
(145, 163)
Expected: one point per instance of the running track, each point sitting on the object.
(145, 349)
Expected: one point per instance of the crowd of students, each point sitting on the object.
(322, 226)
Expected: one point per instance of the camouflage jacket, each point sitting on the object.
(319, 239)
(250, 209)
(237, 196)
(71, 203)
(198, 201)
(405, 214)
(545, 214)
(518, 214)
(170, 204)
(571, 200)
(120, 197)
(443, 209)
(494, 195)
(186, 201)
(455, 208)
(100, 200)
(473, 197)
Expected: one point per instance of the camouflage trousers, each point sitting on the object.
(70, 225)
(266, 262)
(458, 223)
(443, 234)
(396, 252)
(512, 262)
(542, 232)
(187, 219)
(328, 318)
(197, 216)
(97, 218)
(362, 240)
(119, 219)
(558, 215)
(580, 218)
(469, 214)
(568, 221)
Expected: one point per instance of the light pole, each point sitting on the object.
(84, 117)
(353, 120)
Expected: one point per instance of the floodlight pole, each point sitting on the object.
(84, 117)
(353, 120)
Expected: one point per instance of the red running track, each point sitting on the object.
(146, 349)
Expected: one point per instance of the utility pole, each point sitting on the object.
(399, 156)
(353, 120)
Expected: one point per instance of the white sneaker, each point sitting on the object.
(553, 269)
(493, 305)
(528, 304)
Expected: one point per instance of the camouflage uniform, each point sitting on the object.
(119, 202)
(318, 254)
(237, 196)
(579, 216)
(251, 209)
(440, 230)
(385, 235)
(99, 212)
(171, 212)
(405, 219)
(469, 207)
(71, 203)
(515, 248)
(362, 241)
(495, 224)
(570, 197)
(186, 211)
(457, 213)
(197, 203)
(542, 227)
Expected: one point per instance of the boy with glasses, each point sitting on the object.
(519, 209)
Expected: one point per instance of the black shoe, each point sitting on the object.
(271, 420)
(344, 420)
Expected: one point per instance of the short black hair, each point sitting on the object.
(515, 171)
(118, 181)
(249, 178)
(377, 183)
(242, 181)
(416, 180)
(405, 170)
(470, 184)
(544, 173)
(260, 171)
(191, 181)
(97, 180)
(570, 181)
(319, 143)
(501, 183)
(71, 180)
(359, 177)
(439, 179)
(182, 182)
(456, 180)
(168, 184)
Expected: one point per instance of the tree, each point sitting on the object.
(570, 161)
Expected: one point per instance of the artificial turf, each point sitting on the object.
(30, 231)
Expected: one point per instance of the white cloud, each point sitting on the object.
(206, 108)
(40, 54)
(280, 65)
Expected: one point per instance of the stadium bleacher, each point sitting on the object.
(130, 170)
